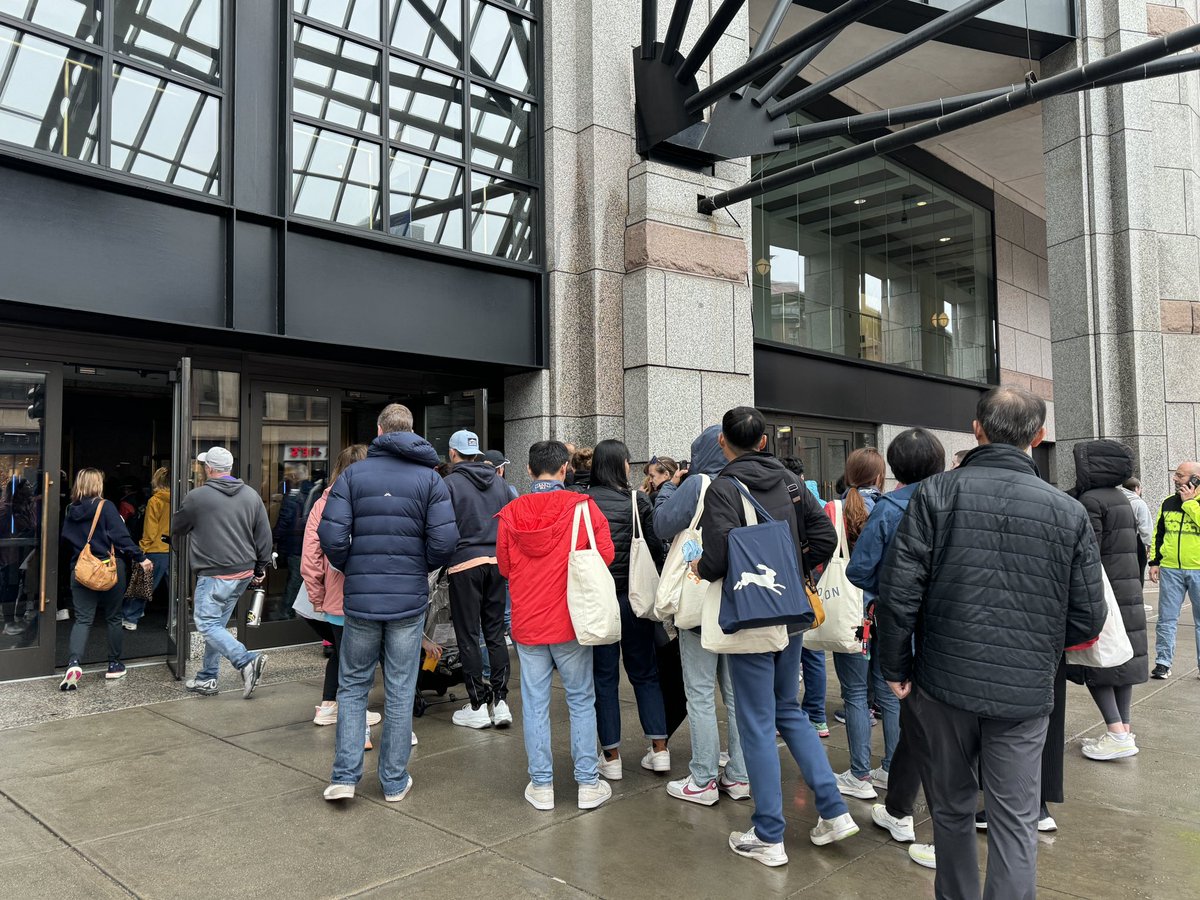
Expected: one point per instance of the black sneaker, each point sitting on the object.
(205, 687)
(1160, 672)
(251, 673)
(981, 820)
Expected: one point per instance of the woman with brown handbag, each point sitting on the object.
(97, 534)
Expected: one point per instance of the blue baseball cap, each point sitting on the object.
(465, 443)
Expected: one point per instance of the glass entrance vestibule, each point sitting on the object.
(285, 420)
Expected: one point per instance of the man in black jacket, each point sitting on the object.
(995, 572)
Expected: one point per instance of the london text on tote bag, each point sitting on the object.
(843, 601)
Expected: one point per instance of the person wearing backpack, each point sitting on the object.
(765, 683)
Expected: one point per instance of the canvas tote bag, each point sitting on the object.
(91, 572)
(681, 594)
(643, 573)
(1113, 647)
(843, 601)
(591, 591)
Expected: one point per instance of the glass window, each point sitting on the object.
(182, 37)
(165, 131)
(359, 16)
(425, 108)
(335, 80)
(335, 177)
(875, 262)
(76, 18)
(49, 96)
(216, 407)
(501, 132)
(501, 46)
(501, 217)
(426, 199)
(430, 29)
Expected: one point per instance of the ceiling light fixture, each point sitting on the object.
(944, 240)
(859, 202)
(922, 203)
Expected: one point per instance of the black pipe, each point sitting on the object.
(1099, 72)
(679, 19)
(791, 70)
(871, 61)
(649, 27)
(712, 32)
(769, 33)
(830, 23)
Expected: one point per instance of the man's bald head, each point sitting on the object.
(1185, 471)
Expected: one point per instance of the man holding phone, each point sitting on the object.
(1175, 563)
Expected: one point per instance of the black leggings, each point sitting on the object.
(1113, 702)
(333, 634)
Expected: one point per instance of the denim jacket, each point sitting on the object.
(872, 545)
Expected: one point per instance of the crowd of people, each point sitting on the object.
(973, 584)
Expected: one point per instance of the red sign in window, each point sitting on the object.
(300, 452)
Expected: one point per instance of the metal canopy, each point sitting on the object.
(746, 120)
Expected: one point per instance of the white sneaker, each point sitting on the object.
(686, 789)
(657, 761)
(593, 795)
(748, 845)
(901, 829)
(373, 718)
(610, 769)
(62, 615)
(129, 626)
(879, 778)
(734, 790)
(1108, 747)
(326, 714)
(830, 830)
(396, 798)
(472, 718)
(339, 792)
(853, 786)
(1047, 824)
(501, 715)
(540, 796)
(923, 855)
(414, 741)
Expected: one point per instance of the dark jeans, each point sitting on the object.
(87, 602)
(904, 777)
(477, 602)
(637, 650)
(332, 634)
(670, 680)
(960, 745)
(812, 668)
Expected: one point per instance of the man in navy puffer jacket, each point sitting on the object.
(387, 524)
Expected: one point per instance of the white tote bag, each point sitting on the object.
(643, 573)
(843, 601)
(1113, 649)
(680, 594)
(303, 606)
(591, 591)
(770, 639)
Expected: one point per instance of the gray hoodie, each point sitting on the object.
(228, 525)
(1141, 512)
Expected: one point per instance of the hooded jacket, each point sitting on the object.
(388, 522)
(1145, 521)
(869, 551)
(157, 523)
(111, 533)
(325, 584)
(1101, 467)
(1177, 534)
(478, 494)
(617, 507)
(995, 572)
(229, 528)
(676, 503)
(532, 547)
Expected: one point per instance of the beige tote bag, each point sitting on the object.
(591, 591)
(643, 573)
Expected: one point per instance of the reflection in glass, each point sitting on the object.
(216, 407)
(501, 132)
(430, 29)
(76, 18)
(501, 218)
(164, 131)
(425, 107)
(22, 417)
(182, 36)
(335, 177)
(359, 16)
(426, 199)
(49, 96)
(501, 46)
(335, 80)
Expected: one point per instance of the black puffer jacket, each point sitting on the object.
(617, 507)
(1101, 467)
(996, 572)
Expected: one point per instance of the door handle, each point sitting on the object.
(46, 483)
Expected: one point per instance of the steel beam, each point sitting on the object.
(791, 70)
(649, 27)
(679, 19)
(712, 32)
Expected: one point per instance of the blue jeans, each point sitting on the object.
(703, 672)
(574, 664)
(889, 706)
(853, 670)
(812, 668)
(214, 603)
(1173, 585)
(367, 643)
(765, 685)
(641, 665)
(133, 608)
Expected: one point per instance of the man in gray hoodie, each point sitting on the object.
(229, 550)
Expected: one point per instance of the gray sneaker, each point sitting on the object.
(251, 673)
(205, 687)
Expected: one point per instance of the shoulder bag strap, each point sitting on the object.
(705, 482)
(637, 519)
(96, 519)
(575, 526)
(839, 524)
(583, 512)
(747, 497)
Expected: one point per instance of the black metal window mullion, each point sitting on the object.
(107, 76)
(468, 176)
(385, 121)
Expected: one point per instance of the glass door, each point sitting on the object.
(30, 504)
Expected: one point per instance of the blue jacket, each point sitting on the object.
(387, 524)
(872, 544)
(676, 504)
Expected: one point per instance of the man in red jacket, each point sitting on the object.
(533, 546)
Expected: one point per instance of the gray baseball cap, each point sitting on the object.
(216, 458)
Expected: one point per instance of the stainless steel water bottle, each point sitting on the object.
(254, 617)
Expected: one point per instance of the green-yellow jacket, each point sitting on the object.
(1177, 535)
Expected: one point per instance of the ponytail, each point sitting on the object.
(865, 468)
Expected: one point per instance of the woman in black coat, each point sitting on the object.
(1101, 467)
